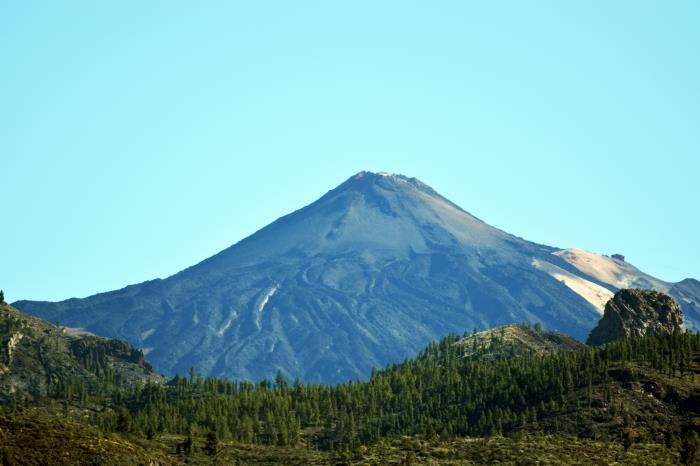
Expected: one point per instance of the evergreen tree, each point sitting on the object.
(438, 392)
(123, 421)
(690, 450)
(627, 439)
(212, 444)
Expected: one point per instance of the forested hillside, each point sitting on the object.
(440, 393)
(639, 390)
(643, 391)
(39, 359)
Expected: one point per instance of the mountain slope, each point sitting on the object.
(365, 276)
(38, 359)
(614, 271)
(616, 274)
(515, 340)
(550, 407)
(41, 436)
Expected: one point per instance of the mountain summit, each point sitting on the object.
(383, 215)
(366, 275)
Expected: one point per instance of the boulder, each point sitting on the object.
(635, 313)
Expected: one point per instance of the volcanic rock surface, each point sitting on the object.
(635, 313)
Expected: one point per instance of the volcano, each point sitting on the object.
(365, 276)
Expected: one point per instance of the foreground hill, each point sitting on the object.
(40, 436)
(38, 359)
(365, 276)
(515, 340)
(647, 387)
(632, 401)
(31, 437)
(635, 401)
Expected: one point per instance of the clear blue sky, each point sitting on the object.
(138, 138)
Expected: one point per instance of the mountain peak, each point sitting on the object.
(368, 177)
(363, 276)
(366, 181)
(368, 173)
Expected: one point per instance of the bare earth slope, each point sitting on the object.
(616, 274)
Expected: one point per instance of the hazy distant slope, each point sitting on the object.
(365, 276)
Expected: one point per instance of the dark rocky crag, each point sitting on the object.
(634, 313)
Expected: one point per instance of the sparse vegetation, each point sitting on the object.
(33, 436)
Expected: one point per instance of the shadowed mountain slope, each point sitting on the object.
(366, 275)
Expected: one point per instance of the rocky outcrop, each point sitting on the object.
(634, 313)
(98, 353)
(515, 340)
(38, 358)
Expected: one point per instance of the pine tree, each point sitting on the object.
(627, 439)
(690, 451)
(211, 446)
(123, 421)
(189, 445)
(670, 439)
(439, 391)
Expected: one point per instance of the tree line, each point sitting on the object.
(440, 392)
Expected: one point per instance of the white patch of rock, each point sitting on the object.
(77, 331)
(615, 272)
(595, 294)
(14, 340)
(220, 332)
(145, 335)
(261, 305)
(266, 297)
